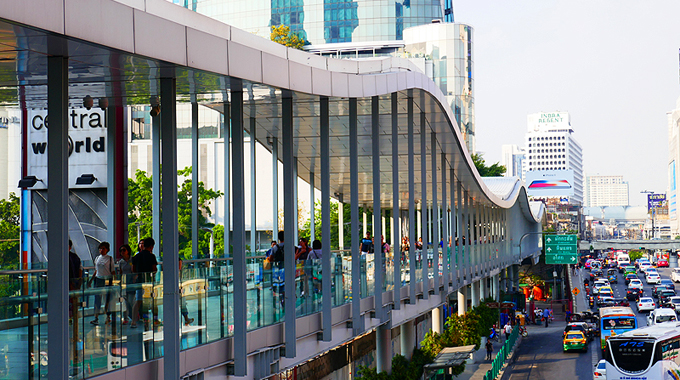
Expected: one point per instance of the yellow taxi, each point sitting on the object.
(575, 340)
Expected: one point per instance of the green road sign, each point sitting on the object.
(560, 239)
(561, 259)
(560, 249)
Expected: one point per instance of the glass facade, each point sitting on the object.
(323, 21)
(449, 48)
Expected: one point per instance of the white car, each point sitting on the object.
(635, 283)
(600, 372)
(675, 302)
(646, 304)
(661, 315)
(651, 270)
(675, 275)
(644, 265)
(653, 278)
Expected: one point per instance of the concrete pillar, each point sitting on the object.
(437, 320)
(483, 290)
(673, 259)
(475, 294)
(462, 300)
(496, 287)
(383, 348)
(515, 278)
(407, 339)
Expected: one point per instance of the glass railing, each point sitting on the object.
(116, 322)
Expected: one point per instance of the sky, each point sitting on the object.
(612, 64)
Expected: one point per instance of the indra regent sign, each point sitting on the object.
(86, 145)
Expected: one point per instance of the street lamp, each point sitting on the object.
(653, 208)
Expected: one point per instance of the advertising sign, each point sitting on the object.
(655, 201)
(550, 183)
(86, 146)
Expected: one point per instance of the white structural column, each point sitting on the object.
(290, 202)
(57, 215)
(357, 321)
(483, 288)
(475, 293)
(395, 225)
(412, 236)
(383, 348)
(407, 339)
(437, 320)
(462, 300)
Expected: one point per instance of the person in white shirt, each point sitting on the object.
(508, 330)
(104, 269)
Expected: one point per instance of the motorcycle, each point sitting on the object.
(523, 331)
(494, 335)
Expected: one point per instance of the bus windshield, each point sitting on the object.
(632, 356)
(618, 323)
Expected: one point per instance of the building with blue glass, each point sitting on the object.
(422, 30)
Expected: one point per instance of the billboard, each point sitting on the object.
(550, 183)
(86, 145)
(655, 201)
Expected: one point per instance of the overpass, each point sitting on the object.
(375, 134)
(630, 244)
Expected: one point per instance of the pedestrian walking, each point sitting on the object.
(546, 316)
(508, 330)
(489, 349)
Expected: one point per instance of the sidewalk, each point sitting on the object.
(477, 371)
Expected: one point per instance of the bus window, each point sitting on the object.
(619, 323)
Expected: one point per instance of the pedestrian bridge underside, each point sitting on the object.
(376, 134)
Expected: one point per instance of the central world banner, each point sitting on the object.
(86, 146)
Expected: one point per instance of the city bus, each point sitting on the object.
(647, 353)
(615, 321)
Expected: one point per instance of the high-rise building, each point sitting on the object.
(423, 32)
(512, 157)
(550, 145)
(673, 163)
(606, 190)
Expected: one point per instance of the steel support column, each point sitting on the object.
(435, 215)
(239, 217)
(446, 270)
(357, 321)
(423, 205)
(155, 178)
(171, 320)
(57, 217)
(227, 178)
(459, 234)
(377, 225)
(289, 214)
(411, 202)
(275, 187)
(194, 178)
(325, 219)
(253, 184)
(396, 214)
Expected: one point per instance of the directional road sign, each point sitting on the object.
(561, 249)
(561, 259)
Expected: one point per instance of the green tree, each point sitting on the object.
(281, 34)
(495, 170)
(635, 254)
(140, 213)
(305, 230)
(10, 230)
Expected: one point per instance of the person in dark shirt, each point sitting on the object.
(144, 265)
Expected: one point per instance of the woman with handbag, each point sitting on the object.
(104, 269)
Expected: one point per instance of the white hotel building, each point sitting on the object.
(550, 145)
